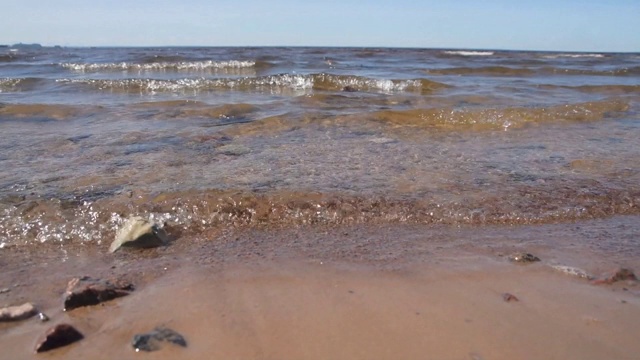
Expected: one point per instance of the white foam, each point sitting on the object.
(279, 82)
(469, 53)
(159, 66)
(555, 56)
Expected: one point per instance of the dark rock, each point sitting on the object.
(523, 258)
(349, 88)
(85, 291)
(151, 341)
(20, 312)
(621, 274)
(509, 297)
(57, 336)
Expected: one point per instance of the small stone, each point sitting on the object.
(85, 291)
(523, 258)
(57, 336)
(139, 233)
(4, 290)
(349, 88)
(620, 274)
(145, 342)
(509, 297)
(233, 150)
(151, 341)
(20, 312)
(43, 317)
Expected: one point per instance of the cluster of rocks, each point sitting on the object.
(87, 291)
(136, 232)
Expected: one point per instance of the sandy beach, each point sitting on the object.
(337, 293)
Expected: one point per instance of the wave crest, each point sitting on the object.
(468, 53)
(159, 66)
(197, 212)
(281, 82)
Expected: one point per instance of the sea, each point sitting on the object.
(201, 138)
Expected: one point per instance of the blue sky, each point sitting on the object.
(564, 25)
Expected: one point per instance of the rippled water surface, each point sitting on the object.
(218, 137)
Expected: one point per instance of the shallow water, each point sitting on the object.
(219, 137)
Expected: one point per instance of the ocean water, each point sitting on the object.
(202, 138)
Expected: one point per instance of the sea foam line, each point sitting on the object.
(291, 81)
(469, 53)
(186, 65)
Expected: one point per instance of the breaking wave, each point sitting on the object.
(468, 53)
(19, 84)
(38, 221)
(281, 82)
(573, 55)
(526, 71)
(160, 66)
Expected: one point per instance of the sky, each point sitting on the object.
(556, 25)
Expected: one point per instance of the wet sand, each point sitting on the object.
(389, 292)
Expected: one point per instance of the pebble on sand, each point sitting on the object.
(151, 341)
(139, 233)
(85, 291)
(58, 336)
(509, 297)
(20, 312)
(621, 274)
(523, 258)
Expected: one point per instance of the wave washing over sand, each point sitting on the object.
(364, 193)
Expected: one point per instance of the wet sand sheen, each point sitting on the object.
(353, 292)
(293, 310)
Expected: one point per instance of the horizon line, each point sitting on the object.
(319, 46)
